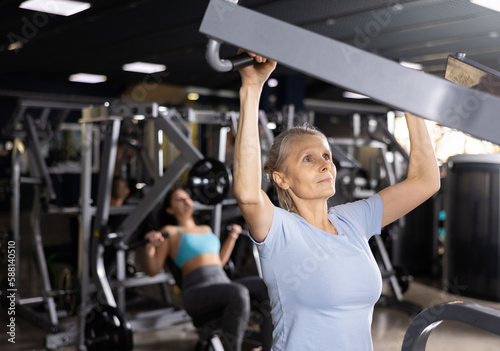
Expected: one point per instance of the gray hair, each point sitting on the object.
(279, 153)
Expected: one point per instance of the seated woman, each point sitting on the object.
(206, 289)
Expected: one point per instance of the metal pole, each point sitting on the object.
(38, 159)
(120, 277)
(16, 206)
(40, 255)
(85, 227)
(221, 150)
(102, 209)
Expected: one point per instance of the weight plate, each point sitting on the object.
(69, 282)
(106, 328)
(209, 181)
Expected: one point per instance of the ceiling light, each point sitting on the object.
(56, 7)
(412, 65)
(16, 45)
(87, 78)
(491, 4)
(9, 145)
(271, 125)
(143, 67)
(193, 96)
(351, 95)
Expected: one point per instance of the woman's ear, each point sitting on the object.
(169, 211)
(279, 179)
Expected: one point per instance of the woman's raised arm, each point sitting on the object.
(156, 252)
(254, 204)
(423, 178)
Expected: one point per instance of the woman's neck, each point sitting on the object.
(186, 222)
(316, 214)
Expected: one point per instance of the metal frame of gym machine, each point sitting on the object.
(31, 137)
(169, 122)
(430, 97)
(28, 140)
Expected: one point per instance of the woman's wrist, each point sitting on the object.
(234, 235)
(251, 87)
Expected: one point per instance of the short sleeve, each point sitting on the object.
(282, 229)
(367, 212)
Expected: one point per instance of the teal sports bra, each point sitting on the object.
(192, 245)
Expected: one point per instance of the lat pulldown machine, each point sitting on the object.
(474, 111)
(351, 68)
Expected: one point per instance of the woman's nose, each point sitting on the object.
(324, 165)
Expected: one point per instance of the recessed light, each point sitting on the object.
(56, 7)
(144, 67)
(87, 78)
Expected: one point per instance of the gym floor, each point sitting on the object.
(388, 329)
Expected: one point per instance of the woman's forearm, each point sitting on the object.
(227, 248)
(150, 261)
(155, 252)
(247, 158)
(423, 163)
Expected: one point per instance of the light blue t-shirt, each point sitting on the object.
(323, 287)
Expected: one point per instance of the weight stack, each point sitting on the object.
(472, 244)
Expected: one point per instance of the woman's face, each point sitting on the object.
(309, 172)
(180, 203)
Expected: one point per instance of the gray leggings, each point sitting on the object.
(208, 291)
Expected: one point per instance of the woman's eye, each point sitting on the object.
(307, 159)
(326, 157)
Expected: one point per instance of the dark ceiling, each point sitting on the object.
(114, 32)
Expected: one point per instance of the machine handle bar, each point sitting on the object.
(230, 64)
